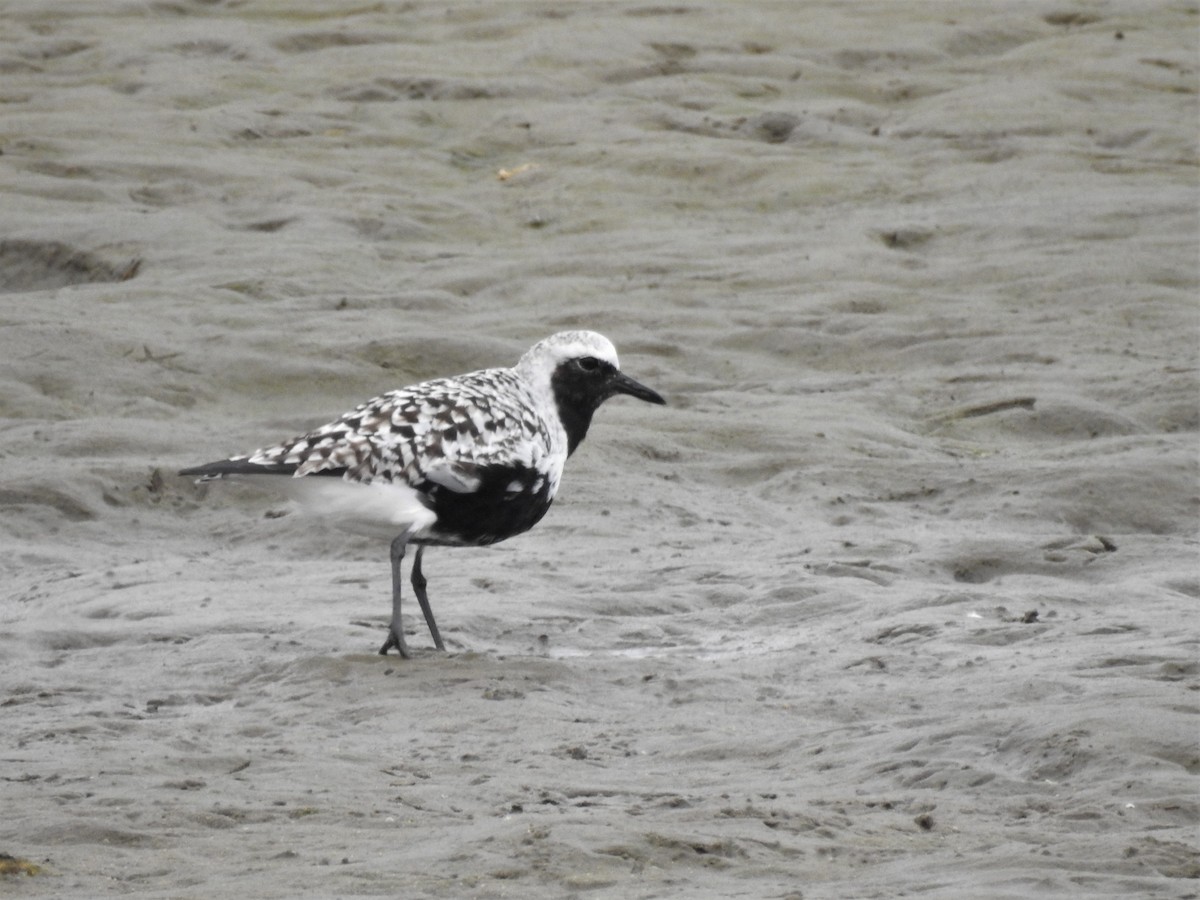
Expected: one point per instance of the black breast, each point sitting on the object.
(510, 500)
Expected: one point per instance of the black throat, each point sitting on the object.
(577, 398)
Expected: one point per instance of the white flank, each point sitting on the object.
(377, 509)
(452, 477)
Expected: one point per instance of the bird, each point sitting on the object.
(464, 461)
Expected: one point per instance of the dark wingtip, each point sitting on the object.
(226, 467)
(223, 467)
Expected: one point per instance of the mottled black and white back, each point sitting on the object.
(468, 460)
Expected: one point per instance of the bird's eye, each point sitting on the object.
(589, 364)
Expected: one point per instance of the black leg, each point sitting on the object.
(395, 636)
(418, 583)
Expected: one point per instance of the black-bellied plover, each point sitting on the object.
(463, 461)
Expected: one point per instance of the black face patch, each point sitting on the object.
(580, 386)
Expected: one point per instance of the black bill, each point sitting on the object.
(623, 384)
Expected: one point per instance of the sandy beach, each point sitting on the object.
(896, 597)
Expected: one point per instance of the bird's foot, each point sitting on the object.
(394, 639)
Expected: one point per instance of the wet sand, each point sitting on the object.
(896, 597)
